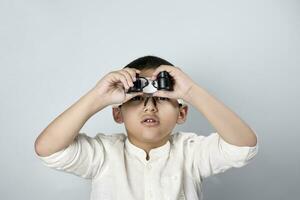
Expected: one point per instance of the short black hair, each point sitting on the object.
(147, 62)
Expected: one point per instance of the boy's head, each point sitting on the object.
(166, 112)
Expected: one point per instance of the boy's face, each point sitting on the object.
(166, 112)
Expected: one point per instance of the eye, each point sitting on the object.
(136, 98)
(163, 98)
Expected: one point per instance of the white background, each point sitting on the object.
(245, 53)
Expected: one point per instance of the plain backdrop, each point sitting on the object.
(245, 53)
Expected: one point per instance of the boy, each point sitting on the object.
(150, 161)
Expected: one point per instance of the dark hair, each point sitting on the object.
(147, 62)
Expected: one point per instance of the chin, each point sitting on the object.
(151, 136)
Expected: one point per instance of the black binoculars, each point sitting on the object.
(163, 81)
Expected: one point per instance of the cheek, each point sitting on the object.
(169, 115)
(130, 118)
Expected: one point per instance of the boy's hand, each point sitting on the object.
(113, 86)
(182, 83)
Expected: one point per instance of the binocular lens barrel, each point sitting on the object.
(164, 81)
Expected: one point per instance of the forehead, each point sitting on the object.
(147, 72)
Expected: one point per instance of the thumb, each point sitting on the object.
(162, 93)
(129, 96)
(134, 94)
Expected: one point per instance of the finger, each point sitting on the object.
(131, 95)
(132, 73)
(162, 93)
(170, 69)
(128, 77)
(137, 71)
(122, 78)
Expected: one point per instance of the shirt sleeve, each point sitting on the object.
(84, 157)
(212, 155)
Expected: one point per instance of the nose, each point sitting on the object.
(150, 105)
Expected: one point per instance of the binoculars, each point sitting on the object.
(163, 81)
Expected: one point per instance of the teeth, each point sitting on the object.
(149, 120)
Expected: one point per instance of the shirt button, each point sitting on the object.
(149, 166)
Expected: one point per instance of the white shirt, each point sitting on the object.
(119, 169)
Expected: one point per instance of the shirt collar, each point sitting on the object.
(154, 154)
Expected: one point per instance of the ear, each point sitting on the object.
(117, 114)
(183, 111)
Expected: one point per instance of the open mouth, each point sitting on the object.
(150, 121)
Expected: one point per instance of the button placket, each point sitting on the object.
(148, 191)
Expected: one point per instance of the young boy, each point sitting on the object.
(150, 161)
